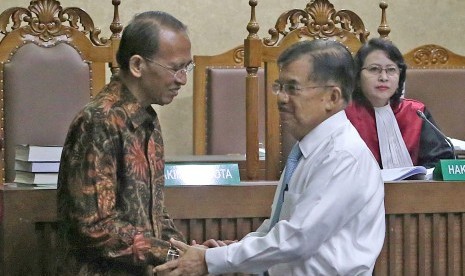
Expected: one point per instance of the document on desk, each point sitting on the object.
(458, 144)
(404, 173)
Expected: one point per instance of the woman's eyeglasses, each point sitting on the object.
(376, 70)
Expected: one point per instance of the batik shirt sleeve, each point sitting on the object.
(111, 185)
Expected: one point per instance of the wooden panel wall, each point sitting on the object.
(423, 244)
(217, 228)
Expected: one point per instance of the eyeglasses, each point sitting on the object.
(292, 89)
(176, 73)
(376, 70)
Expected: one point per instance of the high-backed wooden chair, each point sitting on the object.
(436, 77)
(252, 117)
(219, 91)
(319, 20)
(52, 61)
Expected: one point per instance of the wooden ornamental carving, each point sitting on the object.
(434, 57)
(252, 26)
(319, 20)
(238, 55)
(430, 55)
(383, 28)
(46, 20)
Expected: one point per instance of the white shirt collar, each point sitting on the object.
(316, 136)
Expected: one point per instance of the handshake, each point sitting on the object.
(188, 259)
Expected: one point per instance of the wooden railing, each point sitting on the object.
(425, 232)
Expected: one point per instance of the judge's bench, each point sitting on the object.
(425, 223)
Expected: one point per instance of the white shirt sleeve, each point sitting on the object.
(320, 201)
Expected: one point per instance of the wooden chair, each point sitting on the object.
(319, 20)
(436, 77)
(253, 119)
(52, 61)
(219, 91)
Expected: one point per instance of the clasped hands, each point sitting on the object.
(192, 261)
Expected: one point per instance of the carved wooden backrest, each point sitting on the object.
(318, 20)
(436, 77)
(52, 61)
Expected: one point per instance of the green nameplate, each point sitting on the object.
(449, 170)
(202, 174)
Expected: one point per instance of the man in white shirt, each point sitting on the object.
(331, 220)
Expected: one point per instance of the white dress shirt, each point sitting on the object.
(332, 219)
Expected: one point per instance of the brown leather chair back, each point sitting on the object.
(226, 111)
(436, 77)
(203, 89)
(48, 74)
(43, 89)
(443, 93)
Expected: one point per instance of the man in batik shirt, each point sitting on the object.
(110, 190)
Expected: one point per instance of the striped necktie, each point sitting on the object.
(291, 164)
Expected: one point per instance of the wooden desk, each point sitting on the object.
(425, 229)
(27, 219)
(425, 223)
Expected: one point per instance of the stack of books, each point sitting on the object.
(37, 166)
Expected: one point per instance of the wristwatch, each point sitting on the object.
(173, 254)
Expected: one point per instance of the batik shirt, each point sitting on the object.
(111, 183)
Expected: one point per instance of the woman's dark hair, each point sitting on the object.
(392, 53)
(331, 59)
(141, 35)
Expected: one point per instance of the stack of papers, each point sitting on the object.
(458, 144)
(415, 172)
